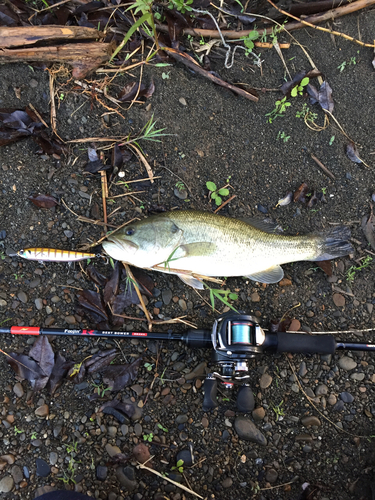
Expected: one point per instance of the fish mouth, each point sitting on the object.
(119, 249)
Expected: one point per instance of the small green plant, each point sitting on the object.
(298, 89)
(179, 466)
(165, 76)
(2, 255)
(61, 96)
(180, 5)
(324, 191)
(180, 186)
(148, 366)
(162, 428)
(249, 41)
(305, 113)
(331, 140)
(350, 273)
(17, 276)
(223, 296)
(148, 437)
(17, 431)
(279, 110)
(215, 193)
(352, 61)
(68, 476)
(101, 390)
(71, 448)
(279, 411)
(283, 136)
(33, 436)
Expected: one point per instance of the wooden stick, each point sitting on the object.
(52, 98)
(309, 21)
(323, 167)
(130, 274)
(29, 35)
(225, 203)
(144, 161)
(103, 175)
(84, 57)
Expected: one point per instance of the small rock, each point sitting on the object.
(68, 233)
(357, 376)
(71, 320)
(39, 304)
(166, 296)
(182, 194)
(42, 468)
(338, 300)
(321, 390)
(285, 282)
(187, 456)
(142, 453)
(6, 484)
(17, 474)
(42, 411)
(53, 456)
(182, 304)
(265, 381)
(112, 450)
(198, 371)
(248, 431)
(122, 474)
(347, 363)
(254, 297)
(271, 476)
(181, 419)
(347, 397)
(259, 414)
(227, 483)
(295, 325)
(332, 400)
(137, 389)
(182, 101)
(18, 390)
(22, 297)
(310, 421)
(205, 422)
(101, 472)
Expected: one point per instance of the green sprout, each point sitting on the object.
(279, 110)
(279, 411)
(331, 140)
(179, 466)
(17, 431)
(283, 136)
(350, 273)
(298, 89)
(101, 390)
(33, 436)
(180, 186)
(306, 114)
(148, 437)
(249, 41)
(162, 428)
(148, 366)
(180, 5)
(215, 193)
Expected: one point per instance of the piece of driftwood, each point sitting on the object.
(84, 57)
(30, 35)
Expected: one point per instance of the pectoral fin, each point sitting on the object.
(191, 281)
(271, 275)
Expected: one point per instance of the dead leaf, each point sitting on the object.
(59, 372)
(325, 98)
(352, 153)
(119, 376)
(26, 368)
(43, 200)
(112, 286)
(300, 193)
(93, 303)
(368, 228)
(100, 360)
(325, 266)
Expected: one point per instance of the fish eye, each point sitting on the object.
(129, 232)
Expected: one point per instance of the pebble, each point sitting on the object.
(321, 390)
(18, 390)
(71, 320)
(271, 476)
(138, 429)
(227, 483)
(259, 414)
(182, 304)
(205, 422)
(178, 366)
(248, 431)
(254, 297)
(357, 376)
(182, 194)
(166, 296)
(187, 456)
(39, 304)
(137, 389)
(181, 419)
(310, 420)
(302, 369)
(198, 371)
(182, 101)
(347, 397)
(347, 363)
(265, 381)
(17, 474)
(42, 468)
(34, 283)
(331, 399)
(295, 325)
(42, 411)
(338, 300)
(6, 484)
(22, 297)
(112, 450)
(3, 303)
(53, 456)
(68, 233)
(126, 477)
(112, 431)
(101, 472)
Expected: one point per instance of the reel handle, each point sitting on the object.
(210, 392)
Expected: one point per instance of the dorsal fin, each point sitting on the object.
(268, 227)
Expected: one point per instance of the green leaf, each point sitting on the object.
(180, 463)
(223, 191)
(218, 200)
(134, 28)
(162, 65)
(294, 91)
(211, 186)
(233, 296)
(304, 81)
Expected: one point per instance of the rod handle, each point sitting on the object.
(306, 344)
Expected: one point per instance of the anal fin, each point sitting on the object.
(271, 275)
(191, 281)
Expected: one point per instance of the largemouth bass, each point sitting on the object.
(190, 243)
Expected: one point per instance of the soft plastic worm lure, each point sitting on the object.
(54, 255)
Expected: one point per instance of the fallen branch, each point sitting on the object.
(190, 63)
(323, 167)
(30, 35)
(84, 57)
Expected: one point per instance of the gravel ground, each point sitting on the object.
(313, 417)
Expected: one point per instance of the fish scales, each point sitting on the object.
(203, 243)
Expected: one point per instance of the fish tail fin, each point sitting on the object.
(333, 243)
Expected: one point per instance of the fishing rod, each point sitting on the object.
(234, 339)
